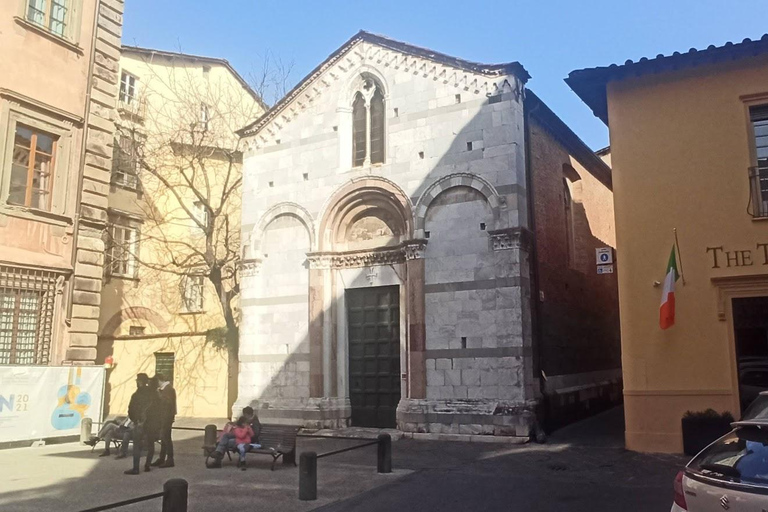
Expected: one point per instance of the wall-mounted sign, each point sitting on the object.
(604, 256)
(605, 269)
(739, 257)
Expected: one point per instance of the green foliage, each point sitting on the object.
(222, 338)
(709, 414)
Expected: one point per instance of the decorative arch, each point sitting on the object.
(134, 313)
(457, 180)
(368, 196)
(352, 83)
(278, 210)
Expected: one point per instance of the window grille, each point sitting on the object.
(27, 301)
(164, 362)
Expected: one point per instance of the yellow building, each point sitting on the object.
(174, 212)
(689, 151)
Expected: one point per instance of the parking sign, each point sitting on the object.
(604, 256)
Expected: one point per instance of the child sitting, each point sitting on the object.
(243, 434)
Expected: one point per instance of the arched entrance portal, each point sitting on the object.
(366, 303)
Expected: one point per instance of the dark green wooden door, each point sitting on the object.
(374, 355)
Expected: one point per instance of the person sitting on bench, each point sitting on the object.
(227, 439)
(119, 428)
(243, 438)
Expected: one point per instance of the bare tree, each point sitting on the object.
(182, 145)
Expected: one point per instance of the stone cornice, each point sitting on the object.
(408, 250)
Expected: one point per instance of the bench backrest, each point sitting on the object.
(278, 436)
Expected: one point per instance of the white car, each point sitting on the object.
(731, 473)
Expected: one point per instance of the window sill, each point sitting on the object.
(185, 313)
(760, 219)
(127, 188)
(23, 212)
(124, 278)
(50, 35)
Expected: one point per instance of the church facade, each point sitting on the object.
(390, 276)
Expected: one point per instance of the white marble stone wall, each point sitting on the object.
(305, 158)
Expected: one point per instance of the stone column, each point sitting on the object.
(417, 333)
(318, 268)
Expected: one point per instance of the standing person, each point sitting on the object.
(168, 411)
(144, 412)
(227, 439)
(243, 436)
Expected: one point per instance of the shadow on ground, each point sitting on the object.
(582, 467)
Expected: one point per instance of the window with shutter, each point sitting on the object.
(377, 127)
(359, 130)
(368, 123)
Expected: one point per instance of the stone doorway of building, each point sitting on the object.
(750, 326)
(373, 316)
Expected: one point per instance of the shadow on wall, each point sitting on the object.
(140, 337)
(469, 206)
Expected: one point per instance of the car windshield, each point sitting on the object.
(741, 456)
(757, 410)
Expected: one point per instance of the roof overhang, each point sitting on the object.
(590, 84)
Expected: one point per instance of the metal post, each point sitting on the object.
(85, 430)
(209, 441)
(308, 476)
(175, 495)
(384, 459)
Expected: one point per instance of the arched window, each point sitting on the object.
(368, 135)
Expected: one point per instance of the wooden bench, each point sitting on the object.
(275, 440)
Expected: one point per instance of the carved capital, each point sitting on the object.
(415, 249)
(320, 261)
(512, 238)
(250, 268)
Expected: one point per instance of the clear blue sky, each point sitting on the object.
(550, 38)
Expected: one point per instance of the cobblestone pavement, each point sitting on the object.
(583, 467)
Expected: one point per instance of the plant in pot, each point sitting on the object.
(702, 427)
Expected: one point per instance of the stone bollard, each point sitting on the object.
(384, 458)
(308, 476)
(86, 427)
(175, 493)
(209, 441)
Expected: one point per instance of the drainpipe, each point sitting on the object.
(81, 171)
(534, 261)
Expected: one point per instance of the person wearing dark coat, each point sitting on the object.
(167, 396)
(144, 411)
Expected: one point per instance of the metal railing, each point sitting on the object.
(174, 495)
(758, 191)
(308, 463)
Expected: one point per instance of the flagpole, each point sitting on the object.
(679, 256)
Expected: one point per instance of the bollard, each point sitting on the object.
(85, 430)
(175, 495)
(308, 476)
(209, 441)
(384, 459)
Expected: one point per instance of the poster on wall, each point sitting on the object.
(38, 402)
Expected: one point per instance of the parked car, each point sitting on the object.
(732, 472)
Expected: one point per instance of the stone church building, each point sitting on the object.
(419, 236)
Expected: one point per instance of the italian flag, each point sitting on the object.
(667, 309)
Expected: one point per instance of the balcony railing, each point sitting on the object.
(758, 191)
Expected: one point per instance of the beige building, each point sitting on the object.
(689, 148)
(58, 88)
(174, 212)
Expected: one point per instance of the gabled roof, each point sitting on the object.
(578, 148)
(590, 84)
(511, 68)
(197, 58)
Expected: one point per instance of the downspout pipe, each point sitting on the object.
(81, 171)
(534, 263)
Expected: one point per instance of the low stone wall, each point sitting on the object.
(311, 413)
(467, 417)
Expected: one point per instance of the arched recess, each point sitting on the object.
(372, 200)
(134, 313)
(457, 180)
(278, 210)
